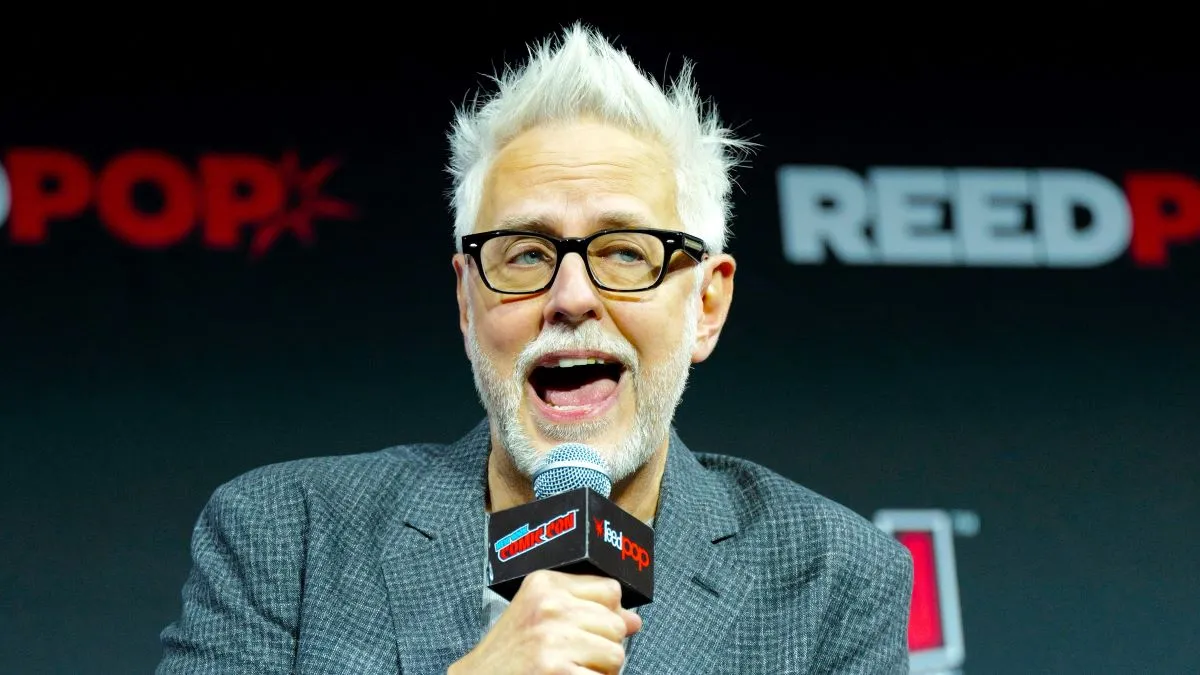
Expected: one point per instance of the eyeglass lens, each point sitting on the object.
(622, 261)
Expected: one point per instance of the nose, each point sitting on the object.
(572, 298)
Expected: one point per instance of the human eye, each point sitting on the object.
(527, 251)
(622, 251)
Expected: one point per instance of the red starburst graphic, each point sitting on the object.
(303, 204)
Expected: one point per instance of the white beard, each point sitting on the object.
(657, 390)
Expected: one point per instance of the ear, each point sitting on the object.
(460, 291)
(716, 295)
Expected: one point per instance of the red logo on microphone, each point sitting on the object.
(627, 547)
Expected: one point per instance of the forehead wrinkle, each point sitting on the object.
(561, 178)
(606, 219)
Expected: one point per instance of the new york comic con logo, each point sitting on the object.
(525, 538)
(149, 199)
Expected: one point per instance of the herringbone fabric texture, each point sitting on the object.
(372, 563)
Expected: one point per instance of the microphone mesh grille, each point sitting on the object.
(584, 468)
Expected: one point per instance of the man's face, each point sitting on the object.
(574, 180)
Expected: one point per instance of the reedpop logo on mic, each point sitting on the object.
(628, 548)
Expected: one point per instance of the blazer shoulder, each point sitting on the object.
(799, 530)
(333, 479)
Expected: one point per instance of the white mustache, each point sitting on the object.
(589, 336)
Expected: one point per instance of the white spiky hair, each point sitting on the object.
(584, 75)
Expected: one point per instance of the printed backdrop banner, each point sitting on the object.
(964, 308)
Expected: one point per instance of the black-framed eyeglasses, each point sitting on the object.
(622, 260)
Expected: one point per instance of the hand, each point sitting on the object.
(556, 623)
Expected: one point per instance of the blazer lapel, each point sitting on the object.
(433, 559)
(698, 588)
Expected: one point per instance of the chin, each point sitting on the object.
(623, 447)
(599, 433)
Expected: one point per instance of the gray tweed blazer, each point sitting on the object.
(374, 563)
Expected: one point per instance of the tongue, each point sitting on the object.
(586, 394)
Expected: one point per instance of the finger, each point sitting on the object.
(572, 669)
(601, 590)
(633, 622)
(594, 652)
(597, 620)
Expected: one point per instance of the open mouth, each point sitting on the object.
(586, 384)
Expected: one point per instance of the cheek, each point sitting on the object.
(503, 330)
(653, 330)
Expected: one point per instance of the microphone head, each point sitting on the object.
(570, 466)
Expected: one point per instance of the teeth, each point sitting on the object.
(568, 363)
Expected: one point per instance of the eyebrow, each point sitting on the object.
(607, 220)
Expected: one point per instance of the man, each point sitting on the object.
(590, 215)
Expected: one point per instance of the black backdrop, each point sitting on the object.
(1059, 406)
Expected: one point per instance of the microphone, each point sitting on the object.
(571, 526)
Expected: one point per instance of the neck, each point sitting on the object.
(637, 494)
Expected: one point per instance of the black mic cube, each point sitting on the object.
(578, 532)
